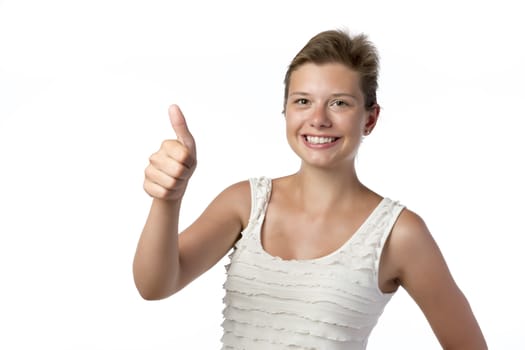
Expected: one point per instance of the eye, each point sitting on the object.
(339, 103)
(301, 101)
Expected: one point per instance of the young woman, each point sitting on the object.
(316, 254)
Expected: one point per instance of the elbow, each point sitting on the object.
(149, 296)
(145, 287)
(146, 293)
(151, 291)
(152, 294)
(154, 286)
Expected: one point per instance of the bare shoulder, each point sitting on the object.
(238, 197)
(410, 242)
(212, 235)
(422, 271)
(410, 231)
(409, 224)
(239, 190)
(229, 210)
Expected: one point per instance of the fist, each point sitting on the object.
(170, 168)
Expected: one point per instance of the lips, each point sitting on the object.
(320, 140)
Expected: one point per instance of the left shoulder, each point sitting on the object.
(409, 223)
(422, 271)
(409, 229)
(411, 242)
(410, 254)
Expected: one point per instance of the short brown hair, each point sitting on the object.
(337, 46)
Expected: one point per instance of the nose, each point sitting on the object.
(320, 118)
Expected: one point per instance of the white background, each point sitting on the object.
(84, 92)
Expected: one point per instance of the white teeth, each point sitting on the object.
(319, 139)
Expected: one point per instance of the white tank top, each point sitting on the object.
(331, 302)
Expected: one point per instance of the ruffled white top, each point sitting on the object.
(332, 302)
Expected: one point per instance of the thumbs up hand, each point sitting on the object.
(170, 168)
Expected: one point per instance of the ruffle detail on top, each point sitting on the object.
(332, 302)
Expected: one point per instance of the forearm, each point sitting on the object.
(156, 263)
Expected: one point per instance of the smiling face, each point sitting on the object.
(326, 116)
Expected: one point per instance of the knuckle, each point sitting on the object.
(162, 193)
(172, 183)
(147, 172)
(166, 144)
(148, 188)
(177, 169)
(153, 158)
(154, 190)
(150, 174)
(180, 171)
(169, 146)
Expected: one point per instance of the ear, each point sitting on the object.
(371, 119)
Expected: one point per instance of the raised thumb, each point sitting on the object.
(178, 123)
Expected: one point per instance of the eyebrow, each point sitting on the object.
(342, 94)
(339, 94)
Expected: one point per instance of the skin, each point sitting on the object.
(325, 195)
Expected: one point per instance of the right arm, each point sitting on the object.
(165, 261)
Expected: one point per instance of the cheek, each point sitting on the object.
(290, 123)
(292, 128)
(354, 124)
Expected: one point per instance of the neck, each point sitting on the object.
(323, 189)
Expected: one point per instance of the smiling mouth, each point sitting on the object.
(319, 140)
